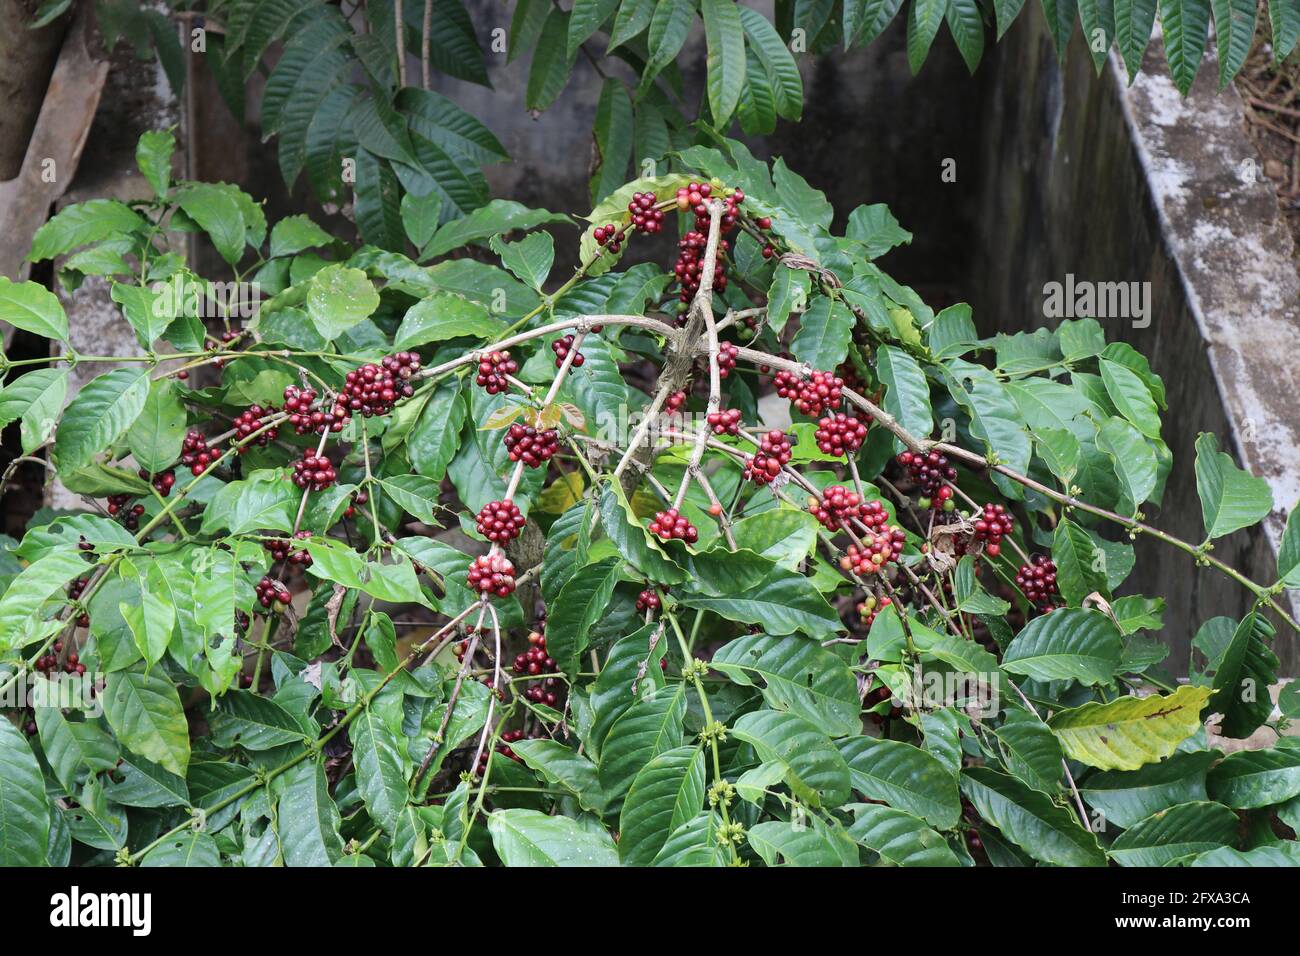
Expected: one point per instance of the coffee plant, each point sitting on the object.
(429, 565)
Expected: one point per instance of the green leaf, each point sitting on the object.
(24, 812)
(613, 136)
(797, 675)
(585, 18)
(1288, 552)
(445, 315)
(82, 224)
(971, 596)
(217, 212)
(74, 747)
(1033, 753)
(1030, 820)
(783, 604)
(560, 764)
(669, 27)
(782, 71)
(294, 234)
(151, 623)
(1067, 644)
(924, 17)
(1134, 461)
(435, 437)
(102, 412)
(1231, 499)
(799, 845)
(1234, 29)
(1126, 796)
(632, 540)
(631, 671)
(416, 494)
(1131, 397)
(339, 298)
(1256, 778)
(814, 770)
(549, 72)
(156, 436)
(531, 838)
(529, 259)
(900, 838)
(1129, 732)
(185, 849)
(1184, 23)
(1080, 564)
(146, 715)
(308, 818)
(1133, 22)
(1284, 21)
(725, 40)
(253, 722)
(37, 399)
(666, 793)
(381, 764)
(1243, 675)
(32, 308)
(263, 501)
(646, 729)
(967, 27)
(1060, 23)
(787, 296)
(581, 603)
(782, 535)
(903, 776)
(824, 332)
(21, 603)
(1172, 834)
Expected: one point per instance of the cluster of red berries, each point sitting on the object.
(840, 434)
(375, 389)
(314, 472)
(306, 417)
(876, 552)
(727, 352)
(645, 217)
(493, 369)
(870, 606)
(674, 402)
(725, 422)
(195, 453)
(75, 590)
(561, 348)
(130, 514)
(247, 423)
(611, 237)
(500, 521)
(931, 474)
(492, 574)
(991, 526)
(1038, 581)
(812, 397)
(766, 463)
(272, 594)
(530, 445)
(836, 507)
(162, 482)
(282, 550)
(504, 749)
(49, 664)
(648, 600)
(672, 524)
(358, 498)
(535, 662)
(695, 197)
(690, 262)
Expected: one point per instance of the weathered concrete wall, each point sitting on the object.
(1084, 175)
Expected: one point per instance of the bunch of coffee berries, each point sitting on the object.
(195, 453)
(500, 521)
(375, 389)
(725, 422)
(610, 237)
(1038, 581)
(282, 550)
(493, 369)
(690, 261)
(49, 664)
(120, 506)
(163, 482)
(314, 472)
(870, 606)
(991, 526)
(840, 434)
(931, 473)
(674, 402)
(248, 422)
(306, 417)
(645, 217)
(774, 451)
(492, 574)
(877, 551)
(272, 594)
(821, 391)
(75, 590)
(532, 446)
(694, 197)
(647, 600)
(727, 352)
(357, 498)
(561, 347)
(671, 524)
(836, 507)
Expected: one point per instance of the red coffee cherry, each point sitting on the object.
(671, 524)
(690, 260)
(674, 402)
(648, 600)
(725, 422)
(1038, 581)
(493, 369)
(248, 423)
(877, 551)
(163, 482)
(870, 606)
(727, 353)
(272, 594)
(836, 507)
(765, 464)
(375, 389)
(561, 348)
(282, 550)
(195, 453)
(840, 434)
(645, 217)
(610, 236)
(931, 472)
(492, 574)
(531, 446)
(991, 526)
(314, 472)
(500, 521)
(357, 498)
(306, 417)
